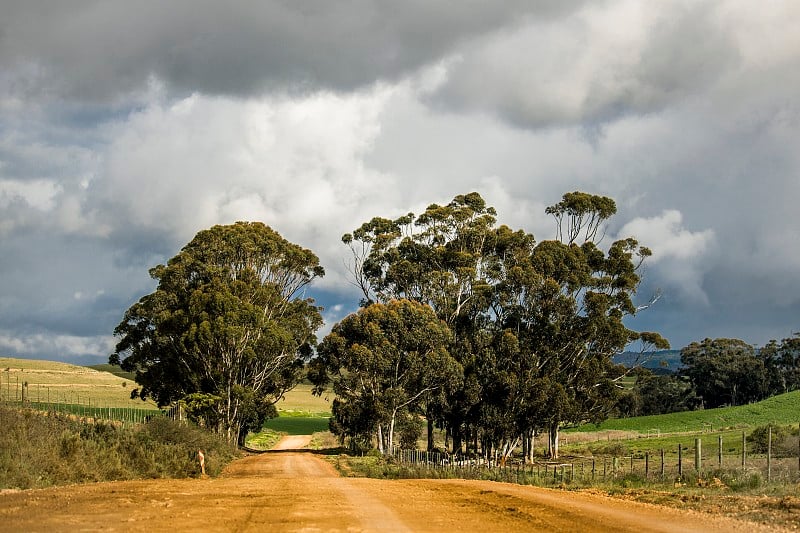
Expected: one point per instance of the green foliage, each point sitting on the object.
(782, 364)
(225, 321)
(760, 437)
(40, 451)
(534, 326)
(410, 428)
(724, 372)
(655, 395)
(382, 361)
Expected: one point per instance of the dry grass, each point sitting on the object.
(55, 382)
(300, 401)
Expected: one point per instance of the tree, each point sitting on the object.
(440, 258)
(534, 325)
(225, 322)
(382, 362)
(659, 394)
(724, 372)
(782, 364)
(567, 304)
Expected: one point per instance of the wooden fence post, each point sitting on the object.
(680, 462)
(744, 449)
(769, 454)
(646, 465)
(662, 463)
(719, 450)
(698, 453)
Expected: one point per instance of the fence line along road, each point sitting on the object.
(685, 462)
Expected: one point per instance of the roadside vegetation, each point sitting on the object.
(37, 450)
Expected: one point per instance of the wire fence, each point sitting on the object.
(76, 402)
(686, 462)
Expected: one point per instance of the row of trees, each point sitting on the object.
(481, 330)
(473, 327)
(717, 372)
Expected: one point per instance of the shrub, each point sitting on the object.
(616, 449)
(37, 450)
(759, 437)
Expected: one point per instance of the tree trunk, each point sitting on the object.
(430, 433)
(456, 441)
(390, 435)
(380, 438)
(552, 441)
(525, 444)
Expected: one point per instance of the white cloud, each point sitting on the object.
(113, 158)
(295, 164)
(59, 347)
(680, 257)
(38, 194)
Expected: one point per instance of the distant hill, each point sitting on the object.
(56, 382)
(114, 369)
(781, 409)
(660, 362)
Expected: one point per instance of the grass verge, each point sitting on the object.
(40, 451)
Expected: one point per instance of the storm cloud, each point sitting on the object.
(125, 129)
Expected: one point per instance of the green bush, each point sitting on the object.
(759, 437)
(616, 449)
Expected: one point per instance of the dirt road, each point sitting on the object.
(294, 490)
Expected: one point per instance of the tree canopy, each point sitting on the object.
(533, 326)
(227, 327)
(724, 372)
(383, 361)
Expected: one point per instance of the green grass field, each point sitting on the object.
(783, 409)
(297, 425)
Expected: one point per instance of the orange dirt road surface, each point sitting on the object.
(294, 490)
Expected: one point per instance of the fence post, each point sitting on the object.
(698, 452)
(769, 455)
(662, 463)
(646, 465)
(680, 462)
(719, 450)
(744, 449)
(593, 471)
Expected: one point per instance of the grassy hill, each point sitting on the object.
(114, 369)
(783, 409)
(55, 382)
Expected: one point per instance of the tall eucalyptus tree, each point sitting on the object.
(228, 323)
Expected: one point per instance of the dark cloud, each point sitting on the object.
(101, 50)
(125, 128)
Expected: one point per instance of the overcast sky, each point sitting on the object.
(127, 127)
